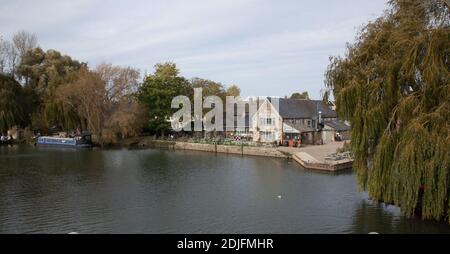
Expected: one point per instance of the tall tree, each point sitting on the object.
(124, 115)
(393, 85)
(24, 41)
(119, 81)
(209, 87)
(105, 101)
(11, 58)
(11, 103)
(86, 94)
(157, 92)
(3, 51)
(167, 69)
(12, 52)
(43, 73)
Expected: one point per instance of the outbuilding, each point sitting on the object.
(335, 130)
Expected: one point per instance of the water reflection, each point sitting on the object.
(370, 216)
(162, 191)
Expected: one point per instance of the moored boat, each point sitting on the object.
(81, 141)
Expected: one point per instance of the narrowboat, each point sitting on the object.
(81, 141)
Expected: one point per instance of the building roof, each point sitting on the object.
(294, 108)
(337, 125)
(297, 126)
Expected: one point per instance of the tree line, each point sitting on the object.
(47, 91)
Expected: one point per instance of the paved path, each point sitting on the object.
(318, 152)
(306, 157)
(313, 157)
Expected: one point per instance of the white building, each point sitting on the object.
(291, 121)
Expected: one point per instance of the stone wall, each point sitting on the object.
(194, 146)
(242, 150)
(229, 149)
(263, 151)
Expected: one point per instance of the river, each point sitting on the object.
(48, 190)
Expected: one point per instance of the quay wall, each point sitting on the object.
(331, 167)
(246, 150)
(229, 149)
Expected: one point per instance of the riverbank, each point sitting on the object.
(310, 157)
(214, 148)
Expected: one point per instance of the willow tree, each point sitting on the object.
(43, 72)
(86, 96)
(11, 103)
(393, 85)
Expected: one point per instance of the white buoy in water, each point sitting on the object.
(279, 196)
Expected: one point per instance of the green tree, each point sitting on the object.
(43, 73)
(11, 103)
(233, 91)
(157, 92)
(210, 88)
(300, 96)
(167, 69)
(393, 85)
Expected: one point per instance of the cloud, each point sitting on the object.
(260, 45)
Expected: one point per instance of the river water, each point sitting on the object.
(48, 190)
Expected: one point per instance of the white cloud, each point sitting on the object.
(261, 45)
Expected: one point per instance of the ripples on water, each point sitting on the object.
(45, 190)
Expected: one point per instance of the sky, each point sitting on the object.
(266, 47)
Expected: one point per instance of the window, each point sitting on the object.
(309, 123)
(267, 136)
(268, 121)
